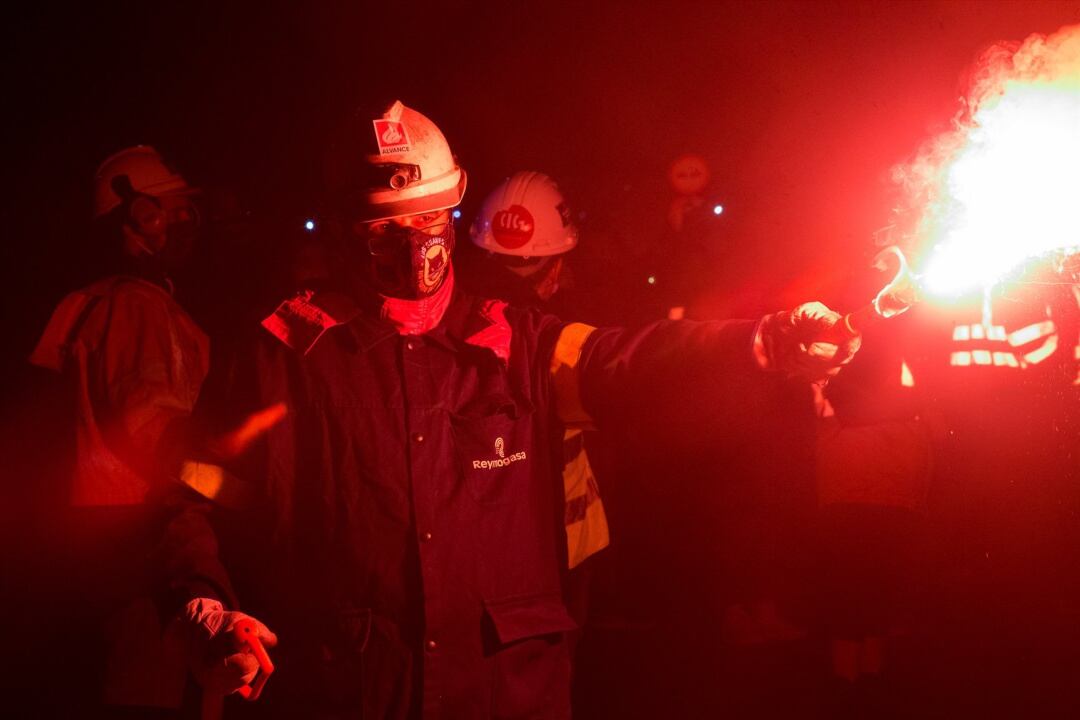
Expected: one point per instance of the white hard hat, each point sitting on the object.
(525, 215)
(391, 163)
(145, 172)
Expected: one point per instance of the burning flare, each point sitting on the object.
(1003, 187)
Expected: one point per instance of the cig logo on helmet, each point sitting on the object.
(512, 227)
(525, 215)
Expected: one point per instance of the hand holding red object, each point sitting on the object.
(246, 634)
(228, 649)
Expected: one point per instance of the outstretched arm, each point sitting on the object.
(686, 378)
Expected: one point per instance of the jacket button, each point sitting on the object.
(418, 437)
(410, 345)
(425, 537)
(431, 645)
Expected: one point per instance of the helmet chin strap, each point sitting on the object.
(135, 244)
(143, 246)
(144, 262)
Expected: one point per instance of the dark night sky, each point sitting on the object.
(800, 107)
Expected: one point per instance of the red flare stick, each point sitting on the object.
(246, 636)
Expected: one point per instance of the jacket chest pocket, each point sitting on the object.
(495, 451)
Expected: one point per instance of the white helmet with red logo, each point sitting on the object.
(141, 169)
(526, 216)
(390, 163)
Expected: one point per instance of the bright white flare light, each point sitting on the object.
(1014, 191)
(1005, 185)
(309, 225)
(717, 209)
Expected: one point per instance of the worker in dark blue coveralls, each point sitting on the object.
(381, 477)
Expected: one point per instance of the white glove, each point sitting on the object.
(216, 661)
(808, 342)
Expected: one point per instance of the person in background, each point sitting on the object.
(874, 466)
(525, 230)
(132, 362)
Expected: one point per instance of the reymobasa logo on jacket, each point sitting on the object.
(502, 460)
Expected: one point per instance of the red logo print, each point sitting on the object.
(391, 137)
(512, 227)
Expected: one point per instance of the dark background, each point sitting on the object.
(799, 107)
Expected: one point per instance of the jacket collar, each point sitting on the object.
(422, 315)
(468, 321)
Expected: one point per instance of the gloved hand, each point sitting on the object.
(216, 661)
(806, 342)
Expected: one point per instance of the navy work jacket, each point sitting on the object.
(401, 528)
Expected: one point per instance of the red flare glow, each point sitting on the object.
(1001, 188)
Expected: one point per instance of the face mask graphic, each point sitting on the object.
(411, 263)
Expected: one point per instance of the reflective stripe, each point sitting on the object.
(583, 515)
(578, 479)
(1046, 350)
(566, 376)
(577, 506)
(1031, 333)
(1005, 359)
(215, 483)
(587, 537)
(573, 445)
(960, 359)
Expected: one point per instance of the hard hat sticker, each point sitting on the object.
(391, 137)
(512, 227)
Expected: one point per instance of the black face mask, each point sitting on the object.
(408, 263)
